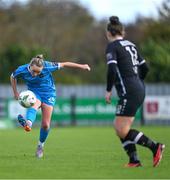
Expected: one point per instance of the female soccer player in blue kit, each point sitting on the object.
(38, 77)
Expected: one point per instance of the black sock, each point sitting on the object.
(131, 152)
(139, 138)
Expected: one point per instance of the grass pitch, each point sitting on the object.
(78, 153)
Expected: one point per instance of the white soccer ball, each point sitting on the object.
(27, 98)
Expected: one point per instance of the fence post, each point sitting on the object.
(73, 109)
(142, 116)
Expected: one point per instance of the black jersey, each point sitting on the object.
(125, 55)
(124, 63)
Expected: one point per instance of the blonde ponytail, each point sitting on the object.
(38, 60)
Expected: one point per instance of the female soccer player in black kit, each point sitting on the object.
(127, 70)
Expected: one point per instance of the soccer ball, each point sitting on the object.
(27, 98)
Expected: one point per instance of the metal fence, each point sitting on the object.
(66, 91)
(98, 92)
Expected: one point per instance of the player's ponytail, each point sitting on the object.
(114, 20)
(40, 56)
(38, 60)
(115, 27)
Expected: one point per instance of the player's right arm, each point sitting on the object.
(13, 79)
(143, 67)
(14, 86)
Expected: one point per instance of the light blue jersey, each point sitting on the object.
(43, 84)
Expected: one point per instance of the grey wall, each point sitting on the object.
(87, 90)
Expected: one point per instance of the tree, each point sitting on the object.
(13, 56)
(156, 46)
(65, 29)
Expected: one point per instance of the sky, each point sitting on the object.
(126, 10)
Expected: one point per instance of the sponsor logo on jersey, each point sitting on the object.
(109, 56)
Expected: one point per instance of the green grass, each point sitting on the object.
(78, 153)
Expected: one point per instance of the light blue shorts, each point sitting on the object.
(47, 99)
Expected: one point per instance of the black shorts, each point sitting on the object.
(130, 102)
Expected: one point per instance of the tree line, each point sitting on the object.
(66, 31)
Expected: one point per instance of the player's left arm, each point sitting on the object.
(111, 74)
(111, 58)
(75, 65)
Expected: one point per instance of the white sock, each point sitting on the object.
(41, 144)
(29, 123)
